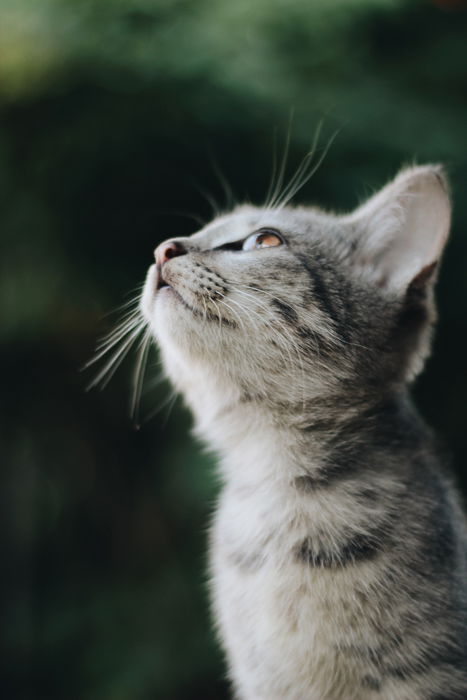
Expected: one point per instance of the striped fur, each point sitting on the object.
(338, 546)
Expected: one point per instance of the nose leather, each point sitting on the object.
(167, 250)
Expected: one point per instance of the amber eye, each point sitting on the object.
(264, 238)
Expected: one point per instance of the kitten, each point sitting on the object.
(338, 547)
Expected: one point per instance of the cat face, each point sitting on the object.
(294, 303)
(245, 298)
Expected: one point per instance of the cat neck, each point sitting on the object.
(290, 439)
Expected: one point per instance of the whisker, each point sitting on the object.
(229, 195)
(216, 210)
(155, 382)
(301, 169)
(130, 330)
(107, 372)
(300, 184)
(138, 376)
(234, 313)
(281, 170)
(171, 404)
(105, 345)
(133, 302)
(284, 331)
(135, 298)
(124, 321)
(338, 340)
(219, 315)
(169, 400)
(279, 336)
(273, 170)
(205, 311)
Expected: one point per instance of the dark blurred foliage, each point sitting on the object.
(113, 117)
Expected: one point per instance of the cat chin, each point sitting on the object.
(176, 325)
(178, 330)
(164, 310)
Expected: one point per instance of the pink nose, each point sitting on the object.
(167, 250)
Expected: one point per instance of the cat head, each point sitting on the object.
(293, 302)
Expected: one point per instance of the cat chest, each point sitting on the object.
(260, 563)
(280, 623)
(281, 618)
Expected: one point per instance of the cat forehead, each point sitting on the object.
(247, 219)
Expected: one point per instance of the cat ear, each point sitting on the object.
(399, 234)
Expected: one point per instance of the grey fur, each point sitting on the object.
(338, 549)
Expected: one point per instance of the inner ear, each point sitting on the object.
(421, 281)
(400, 233)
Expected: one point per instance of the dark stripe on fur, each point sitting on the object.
(448, 660)
(320, 292)
(287, 312)
(357, 549)
(316, 341)
(326, 476)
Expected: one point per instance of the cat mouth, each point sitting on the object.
(160, 281)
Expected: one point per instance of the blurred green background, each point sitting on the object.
(115, 117)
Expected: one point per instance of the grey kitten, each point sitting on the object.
(338, 547)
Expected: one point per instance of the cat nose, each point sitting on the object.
(167, 250)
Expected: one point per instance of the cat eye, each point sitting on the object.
(264, 238)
